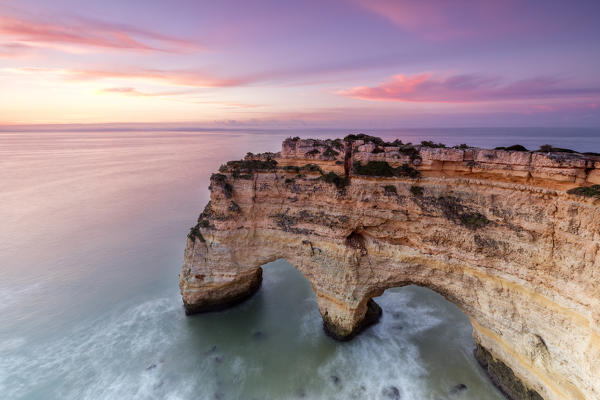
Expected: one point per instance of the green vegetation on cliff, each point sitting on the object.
(195, 234)
(514, 147)
(390, 189)
(245, 169)
(429, 143)
(586, 191)
(220, 180)
(382, 168)
(455, 211)
(339, 181)
(547, 148)
(416, 190)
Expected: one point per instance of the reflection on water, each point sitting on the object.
(92, 229)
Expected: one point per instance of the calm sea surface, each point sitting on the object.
(92, 232)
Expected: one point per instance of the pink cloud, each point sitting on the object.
(85, 33)
(466, 89)
(443, 20)
(172, 77)
(130, 91)
(11, 50)
(571, 107)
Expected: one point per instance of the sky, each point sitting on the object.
(279, 63)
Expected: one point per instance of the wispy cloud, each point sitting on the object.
(444, 20)
(82, 33)
(189, 78)
(467, 89)
(130, 91)
(12, 50)
(193, 78)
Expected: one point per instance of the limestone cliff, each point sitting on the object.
(504, 235)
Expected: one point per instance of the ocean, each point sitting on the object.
(92, 233)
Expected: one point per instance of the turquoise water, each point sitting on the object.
(92, 231)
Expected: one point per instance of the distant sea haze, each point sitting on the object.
(576, 138)
(91, 243)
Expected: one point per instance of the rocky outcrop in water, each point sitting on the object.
(508, 236)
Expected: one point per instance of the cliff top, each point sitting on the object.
(369, 156)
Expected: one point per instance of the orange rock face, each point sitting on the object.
(494, 231)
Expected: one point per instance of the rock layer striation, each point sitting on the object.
(504, 235)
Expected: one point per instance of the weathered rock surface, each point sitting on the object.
(494, 231)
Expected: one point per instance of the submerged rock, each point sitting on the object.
(258, 335)
(335, 379)
(461, 387)
(211, 350)
(391, 392)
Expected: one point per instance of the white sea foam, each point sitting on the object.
(10, 296)
(382, 358)
(88, 361)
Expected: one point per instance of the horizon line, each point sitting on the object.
(196, 126)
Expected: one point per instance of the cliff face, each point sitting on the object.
(496, 232)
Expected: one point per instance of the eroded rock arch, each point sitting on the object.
(495, 232)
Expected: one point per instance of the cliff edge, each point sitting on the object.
(511, 237)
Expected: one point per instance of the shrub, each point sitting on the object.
(547, 148)
(372, 139)
(338, 144)
(233, 207)
(429, 143)
(514, 147)
(195, 234)
(312, 168)
(313, 152)
(236, 175)
(462, 146)
(408, 171)
(390, 189)
(288, 181)
(338, 162)
(416, 190)
(220, 180)
(245, 169)
(396, 143)
(284, 221)
(291, 168)
(473, 220)
(253, 165)
(382, 168)
(374, 168)
(455, 211)
(409, 150)
(329, 152)
(377, 150)
(366, 138)
(339, 181)
(586, 191)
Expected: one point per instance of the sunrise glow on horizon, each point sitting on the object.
(336, 63)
